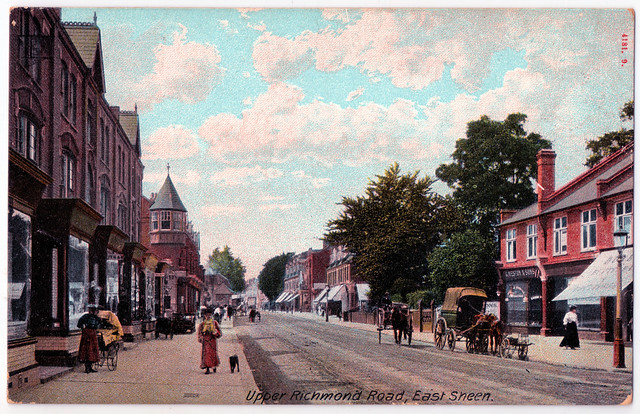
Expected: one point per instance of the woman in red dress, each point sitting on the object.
(89, 352)
(208, 333)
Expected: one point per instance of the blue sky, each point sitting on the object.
(269, 116)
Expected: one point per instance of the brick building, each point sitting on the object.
(552, 250)
(305, 276)
(75, 179)
(345, 286)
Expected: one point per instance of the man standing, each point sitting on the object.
(89, 351)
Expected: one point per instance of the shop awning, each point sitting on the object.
(600, 278)
(284, 296)
(292, 298)
(320, 296)
(363, 290)
(333, 292)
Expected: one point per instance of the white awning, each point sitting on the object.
(320, 296)
(333, 292)
(363, 290)
(600, 278)
(292, 298)
(282, 296)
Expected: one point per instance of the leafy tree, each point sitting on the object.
(610, 142)
(271, 278)
(426, 296)
(492, 168)
(466, 259)
(390, 230)
(223, 262)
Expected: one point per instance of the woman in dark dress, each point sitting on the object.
(570, 323)
(89, 352)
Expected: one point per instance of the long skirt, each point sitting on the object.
(571, 336)
(209, 358)
(89, 351)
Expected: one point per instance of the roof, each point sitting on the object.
(584, 188)
(455, 293)
(129, 122)
(85, 37)
(168, 198)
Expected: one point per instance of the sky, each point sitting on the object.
(268, 117)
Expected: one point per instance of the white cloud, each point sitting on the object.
(279, 128)
(246, 75)
(271, 198)
(355, 94)
(281, 207)
(231, 177)
(172, 142)
(217, 210)
(247, 100)
(186, 71)
(224, 23)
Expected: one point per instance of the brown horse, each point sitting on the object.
(496, 333)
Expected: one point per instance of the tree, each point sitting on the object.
(223, 262)
(271, 278)
(610, 142)
(390, 230)
(493, 168)
(466, 259)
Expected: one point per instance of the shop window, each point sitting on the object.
(19, 273)
(532, 241)
(112, 284)
(560, 236)
(516, 300)
(589, 229)
(624, 219)
(511, 245)
(78, 276)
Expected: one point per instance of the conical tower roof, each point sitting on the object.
(168, 198)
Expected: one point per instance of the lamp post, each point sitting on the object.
(326, 307)
(618, 343)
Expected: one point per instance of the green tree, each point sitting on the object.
(465, 259)
(223, 262)
(390, 230)
(271, 278)
(610, 142)
(493, 168)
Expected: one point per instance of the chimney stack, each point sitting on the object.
(546, 173)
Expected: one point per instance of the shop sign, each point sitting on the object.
(523, 273)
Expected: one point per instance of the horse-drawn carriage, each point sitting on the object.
(462, 316)
(109, 338)
(396, 316)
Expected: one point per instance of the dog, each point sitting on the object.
(233, 363)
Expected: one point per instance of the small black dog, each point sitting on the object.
(233, 363)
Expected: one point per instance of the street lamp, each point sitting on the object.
(618, 343)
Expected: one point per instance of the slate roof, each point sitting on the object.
(168, 198)
(129, 122)
(85, 37)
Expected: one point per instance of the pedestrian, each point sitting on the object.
(216, 314)
(570, 323)
(252, 315)
(89, 351)
(208, 334)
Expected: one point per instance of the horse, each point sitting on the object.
(496, 333)
(400, 324)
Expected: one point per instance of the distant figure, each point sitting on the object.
(217, 313)
(258, 315)
(208, 333)
(570, 323)
(252, 315)
(89, 351)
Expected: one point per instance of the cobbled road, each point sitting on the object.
(297, 360)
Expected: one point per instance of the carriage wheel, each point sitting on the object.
(470, 344)
(522, 352)
(112, 357)
(451, 340)
(439, 335)
(506, 351)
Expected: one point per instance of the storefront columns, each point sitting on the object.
(128, 296)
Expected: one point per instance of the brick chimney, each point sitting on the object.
(546, 173)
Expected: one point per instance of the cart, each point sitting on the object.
(109, 338)
(462, 317)
(384, 320)
(512, 344)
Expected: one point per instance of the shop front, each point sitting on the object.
(523, 299)
(148, 294)
(131, 290)
(106, 266)
(64, 229)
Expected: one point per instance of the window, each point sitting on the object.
(90, 123)
(165, 223)
(27, 138)
(19, 273)
(122, 217)
(29, 46)
(65, 89)
(624, 219)
(511, 245)
(78, 276)
(154, 221)
(119, 162)
(72, 99)
(589, 229)
(560, 236)
(103, 150)
(177, 224)
(104, 200)
(68, 170)
(532, 241)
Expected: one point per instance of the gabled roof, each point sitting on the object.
(129, 122)
(86, 39)
(168, 198)
(584, 188)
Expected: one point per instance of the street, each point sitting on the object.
(300, 360)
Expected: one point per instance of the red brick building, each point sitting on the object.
(345, 286)
(565, 240)
(305, 276)
(75, 180)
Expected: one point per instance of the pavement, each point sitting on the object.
(591, 354)
(150, 371)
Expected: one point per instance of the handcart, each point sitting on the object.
(109, 338)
